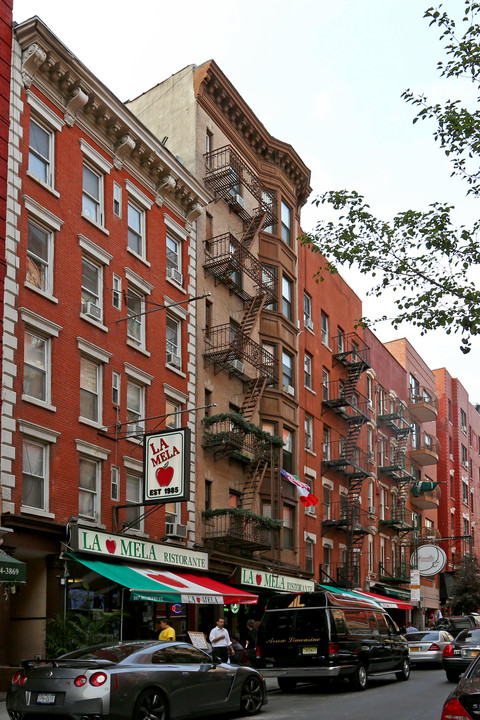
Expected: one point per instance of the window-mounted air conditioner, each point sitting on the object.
(289, 389)
(176, 530)
(308, 442)
(239, 201)
(135, 429)
(237, 365)
(309, 323)
(174, 360)
(91, 310)
(175, 274)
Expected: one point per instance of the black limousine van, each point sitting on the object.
(318, 635)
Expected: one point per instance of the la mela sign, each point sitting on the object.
(166, 467)
(270, 581)
(122, 547)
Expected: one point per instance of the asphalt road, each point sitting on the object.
(421, 698)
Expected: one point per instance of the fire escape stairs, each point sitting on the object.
(253, 228)
(254, 480)
(253, 393)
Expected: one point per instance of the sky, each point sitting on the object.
(325, 76)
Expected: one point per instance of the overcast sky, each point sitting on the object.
(323, 75)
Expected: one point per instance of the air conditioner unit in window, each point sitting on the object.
(239, 201)
(309, 323)
(289, 389)
(308, 442)
(174, 360)
(175, 274)
(175, 530)
(237, 365)
(135, 430)
(92, 310)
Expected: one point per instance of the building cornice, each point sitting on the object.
(64, 79)
(213, 90)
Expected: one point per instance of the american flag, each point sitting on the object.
(306, 497)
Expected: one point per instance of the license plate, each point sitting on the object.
(414, 649)
(473, 653)
(46, 699)
(309, 651)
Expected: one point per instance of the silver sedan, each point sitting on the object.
(427, 646)
(137, 680)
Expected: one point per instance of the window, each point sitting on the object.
(89, 489)
(173, 344)
(325, 332)
(371, 497)
(208, 144)
(208, 494)
(174, 258)
(340, 339)
(287, 309)
(134, 494)
(288, 526)
(286, 223)
(116, 384)
(371, 564)
(464, 456)
(34, 474)
(307, 365)
(40, 154)
(115, 483)
(36, 372)
(370, 451)
(463, 421)
(414, 388)
(308, 432)
(465, 493)
(268, 203)
(325, 384)
(309, 555)
(287, 450)
(287, 370)
(136, 229)
(369, 391)
(39, 258)
(233, 499)
(450, 410)
(117, 292)
(208, 227)
(90, 390)
(92, 282)
(269, 279)
(92, 195)
(136, 318)
(326, 443)
(326, 566)
(117, 199)
(135, 409)
(307, 311)
(172, 411)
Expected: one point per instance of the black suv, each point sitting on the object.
(455, 623)
(318, 635)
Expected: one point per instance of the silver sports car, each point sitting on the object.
(137, 680)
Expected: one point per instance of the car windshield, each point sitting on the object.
(115, 652)
(415, 637)
(469, 636)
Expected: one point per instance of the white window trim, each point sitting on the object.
(117, 387)
(99, 394)
(93, 351)
(174, 395)
(98, 160)
(142, 233)
(47, 403)
(99, 267)
(132, 464)
(140, 422)
(138, 195)
(116, 186)
(97, 493)
(117, 290)
(42, 110)
(30, 509)
(134, 279)
(174, 309)
(310, 536)
(115, 471)
(96, 252)
(140, 376)
(38, 432)
(327, 543)
(94, 452)
(47, 437)
(40, 213)
(39, 323)
(175, 227)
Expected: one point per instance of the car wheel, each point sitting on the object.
(251, 696)
(359, 678)
(404, 673)
(287, 684)
(150, 705)
(452, 676)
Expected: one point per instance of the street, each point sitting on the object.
(421, 698)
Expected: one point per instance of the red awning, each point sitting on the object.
(230, 594)
(386, 602)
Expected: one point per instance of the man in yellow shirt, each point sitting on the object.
(166, 630)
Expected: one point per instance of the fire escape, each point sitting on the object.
(344, 456)
(230, 347)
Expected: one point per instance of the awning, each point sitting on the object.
(147, 582)
(394, 592)
(12, 571)
(385, 602)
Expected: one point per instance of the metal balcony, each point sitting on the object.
(353, 463)
(426, 450)
(425, 495)
(351, 408)
(340, 574)
(398, 518)
(394, 573)
(226, 439)
(350, 350)
(228, 348)
(227, 175)
(226, 257)
(423, 404)
(237, 534)
(397, 417)
(350, 517)
(396, 467)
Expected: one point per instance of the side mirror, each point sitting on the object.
(217, 660)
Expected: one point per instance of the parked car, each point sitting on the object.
(138, 680)
(458, 655)
(463, 703)
(318, 635)
(455, 623)
(427, 646)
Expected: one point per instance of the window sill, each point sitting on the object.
(311, 452)
(175, 284)
(43, 184)
(137, 347)
(95, 224)
(93, 322)
(91, 522)
(139, 257)
(40, 292)
(39, 403)
(92, 423)
(36, 511)
(327, 346)
(134, 439)
(310, 390)
(176, 370)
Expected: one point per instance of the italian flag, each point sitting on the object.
(306, 497)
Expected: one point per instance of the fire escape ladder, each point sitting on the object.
(253, 393)
(350, 445)
(252, 313)
(399, 459)
(256, 474)
(355, 534)
(354, 372)
(253, 228)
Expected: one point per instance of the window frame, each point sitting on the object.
(44, 477)
(290, 375)
(93, 493)
(97, 202)
(324, 324)
(286, 228)
(140, 234)
(307, 370)
(287, 300)
(96, 394)
(49, 162)
(46, 370)
(173, 347)
(139, 524)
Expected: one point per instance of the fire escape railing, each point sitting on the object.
(225, 344)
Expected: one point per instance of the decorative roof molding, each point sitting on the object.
(86, 101)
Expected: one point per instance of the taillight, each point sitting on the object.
(433, 648)
(16, 677)
(454, 710)
(333, 648)
(23, 680)
(258, 652)
(448, 651)
(98, 678)
(80, 681)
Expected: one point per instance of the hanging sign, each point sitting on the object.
(166, 466)
(431, 560)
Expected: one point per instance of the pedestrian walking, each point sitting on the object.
(166, 630)
(238, 651)
(220, 639)
(251, 643)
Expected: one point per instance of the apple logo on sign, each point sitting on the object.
(164, 475)
(111, 546)
(258, 578)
